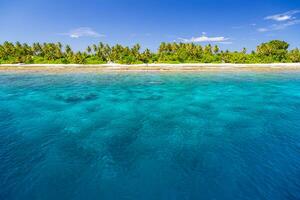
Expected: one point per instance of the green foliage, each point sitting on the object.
(274, 50)
(94, 60)
(270, 52)
(294, 55)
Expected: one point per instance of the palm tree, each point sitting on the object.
(89, 49)
(58, 53)
(95, 48)
(68, 49)
(244, 51)
(146, 56)
(69, 53)
(136, 51)
(208, 49)
(216, 49)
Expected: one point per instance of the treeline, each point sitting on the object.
(56, 53)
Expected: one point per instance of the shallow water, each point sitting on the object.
(150, 136)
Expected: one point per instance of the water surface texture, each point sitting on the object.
(150, 136)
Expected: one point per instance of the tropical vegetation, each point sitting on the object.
(56, 53)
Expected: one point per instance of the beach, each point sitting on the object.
(86, 68)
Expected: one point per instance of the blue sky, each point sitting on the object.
(232, 24)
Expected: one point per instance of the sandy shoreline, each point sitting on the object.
(76, 68)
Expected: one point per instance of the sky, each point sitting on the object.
(231, 24)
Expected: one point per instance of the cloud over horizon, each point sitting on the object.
(83, 32)
(204, 38)
(283, 16)
(283, 20)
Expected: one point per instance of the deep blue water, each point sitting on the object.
(150, 136)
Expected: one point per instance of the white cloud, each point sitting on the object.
(204, 38)
(281, 26)
(283, 20)
(83, 32)
(279, 18)
(283, 16)
(262, 30)
(285, 25)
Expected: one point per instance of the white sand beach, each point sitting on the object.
(78, 68)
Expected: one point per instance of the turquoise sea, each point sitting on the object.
(150, 136)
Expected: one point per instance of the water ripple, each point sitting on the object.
(150, 136)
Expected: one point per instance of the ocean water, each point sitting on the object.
(150, 136)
